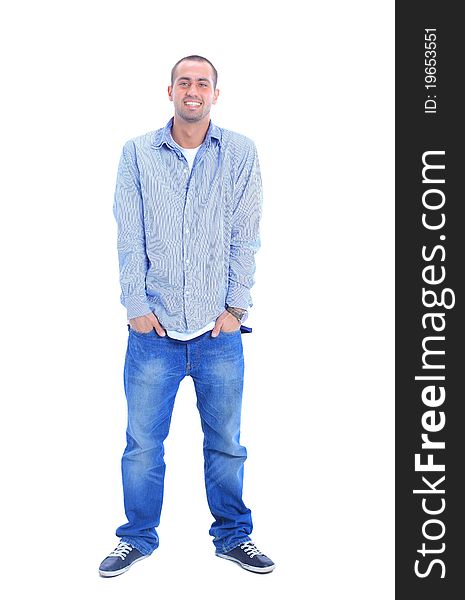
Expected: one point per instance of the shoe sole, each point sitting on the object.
(121, 571)
(248, 567)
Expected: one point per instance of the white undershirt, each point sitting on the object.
(190, 153)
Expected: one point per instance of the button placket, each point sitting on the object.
(185, 250)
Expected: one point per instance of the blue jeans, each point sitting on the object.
(154, 368)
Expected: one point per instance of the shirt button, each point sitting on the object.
(187, 292)
(187, 231)
(187, 261)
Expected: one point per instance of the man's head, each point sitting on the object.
(195, 58)
(193, 88)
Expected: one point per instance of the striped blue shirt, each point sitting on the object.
(187, 239)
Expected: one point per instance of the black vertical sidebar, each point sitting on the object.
(430, 301)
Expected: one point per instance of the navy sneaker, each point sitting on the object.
(119, 561)
(250, 558)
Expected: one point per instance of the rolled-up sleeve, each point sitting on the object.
(129, 214)
(245, 236)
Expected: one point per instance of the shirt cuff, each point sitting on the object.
(238, 296)
(136, 306)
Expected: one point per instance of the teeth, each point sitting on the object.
(193, 103)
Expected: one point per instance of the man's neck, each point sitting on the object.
(189, 135)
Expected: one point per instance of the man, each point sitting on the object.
(188, 204)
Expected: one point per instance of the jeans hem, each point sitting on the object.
(135, 544)
(229, 547)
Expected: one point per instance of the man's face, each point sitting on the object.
(192, 91)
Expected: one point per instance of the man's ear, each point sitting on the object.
(170, 93)
(215, 97)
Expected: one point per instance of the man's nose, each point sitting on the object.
(194, 91)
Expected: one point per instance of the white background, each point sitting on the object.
(312, 84)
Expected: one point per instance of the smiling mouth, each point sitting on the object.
(192, 103)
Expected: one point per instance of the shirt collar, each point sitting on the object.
(163, 136)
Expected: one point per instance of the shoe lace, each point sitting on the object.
(121, 550)
(251, 549)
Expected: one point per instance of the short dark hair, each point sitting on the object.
(198, 59)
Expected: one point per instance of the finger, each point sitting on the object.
(216, 329)
(156, 324)
(152, 318)
(159, 329)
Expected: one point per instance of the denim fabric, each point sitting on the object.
(154, 368)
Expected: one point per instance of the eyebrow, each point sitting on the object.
(198, 78)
